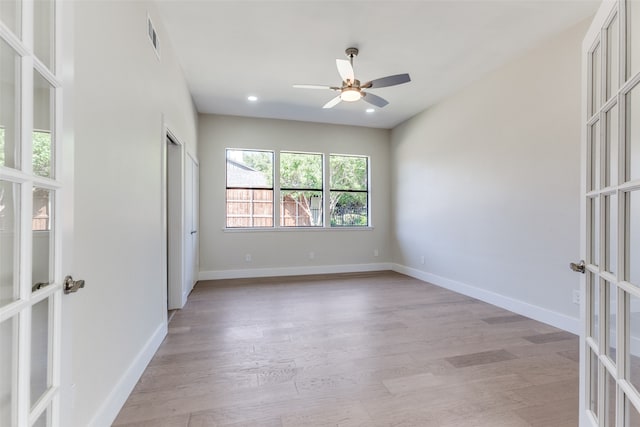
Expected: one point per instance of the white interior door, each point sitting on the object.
(610, 378)
(30, 213)
(191, 225)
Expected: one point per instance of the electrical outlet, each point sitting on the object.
(422, 259)
(576, 297)
(375, 252)
(247, 257)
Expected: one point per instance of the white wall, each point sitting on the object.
(485, 185)
(122, 91)
(273, 252)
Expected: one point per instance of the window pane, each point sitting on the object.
(249, 169)
(8, 368)
(593, 383)
(594, 233)
(612, 310)
(595, 80)
(348, 209)
(43, 419)
(44, 31)
(9, 241)
(348, 173)
(633, 367)
(300, 208)
(633, 135)
(611, 233)
(613, 59)
(611, 152)
(303, 171)
(43, 143)
(39, 349)
(594, 307)
(42, 226)
(594, 157)
(9, 99)
(633, 38)
(610, 400)
(632, 234)
(249, 208)
(632, 415)
(10, 15)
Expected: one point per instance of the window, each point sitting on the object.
(249, 188)
(349, 191)
(299, 188)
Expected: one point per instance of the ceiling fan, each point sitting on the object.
(351, 89)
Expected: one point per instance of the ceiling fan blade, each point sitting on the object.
(345, 70)
(397, 79)
(374, 99)
(315, 87)
(335, 101)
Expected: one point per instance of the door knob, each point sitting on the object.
(71, 285)
(579, 267)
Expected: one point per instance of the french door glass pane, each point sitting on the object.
(300, 208)
(8, 345)
(43, 94)
(9, 241)
(9, 98)
(594, 155)
(632, 234)
(595, 81)
(613, 58)
(611, 152)
(633, 353)
(633, 38)
(10, 15)
(39, 349)
(610, 400)
(633, 134)
(44, 31)
(612, 311)
(42, 419)
(593, 383)
(594, 315)
(595, 231)
(42, 226)
(611, 232)
(632, 415)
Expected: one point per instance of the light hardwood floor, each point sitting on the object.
(375, 349)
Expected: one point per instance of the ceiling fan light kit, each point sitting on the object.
(351, 89)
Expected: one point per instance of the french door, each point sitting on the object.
(610, 378)
(30, 276)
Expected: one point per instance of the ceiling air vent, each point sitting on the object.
(153, 37)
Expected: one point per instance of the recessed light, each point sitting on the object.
(370, 110)
(252, 98)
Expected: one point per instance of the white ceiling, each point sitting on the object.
(231, 49)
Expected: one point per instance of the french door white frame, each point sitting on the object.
(607, 396)
(23, 413)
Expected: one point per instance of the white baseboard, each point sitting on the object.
(111, 406)
(291, 271)
(540, 314)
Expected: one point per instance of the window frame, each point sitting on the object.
(277, 190)
(282, 189)
(366, 191)
(274, 159)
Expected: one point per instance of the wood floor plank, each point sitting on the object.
(365, 349)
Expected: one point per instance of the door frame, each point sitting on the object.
(173, 160)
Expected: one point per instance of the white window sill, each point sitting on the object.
(293, 229)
